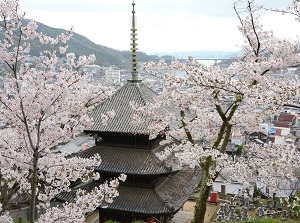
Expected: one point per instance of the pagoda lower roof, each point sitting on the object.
(127, 160)
(166, 198)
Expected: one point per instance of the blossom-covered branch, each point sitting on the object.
(223, 100)
(44, 102)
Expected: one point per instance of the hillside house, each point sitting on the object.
(224, 185)
(258, 137)
(286, 121)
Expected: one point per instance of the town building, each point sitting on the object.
(112, 75)
(224, 185)
(258, 137)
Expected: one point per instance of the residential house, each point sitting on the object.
(286, 120)
(237, 138)
(224, 184)
(284, 187)
(258, 137)
(231, 148)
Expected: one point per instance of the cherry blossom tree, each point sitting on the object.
(293, 9)
(44, 102)
(213, 102)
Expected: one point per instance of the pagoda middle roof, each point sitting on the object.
(128, 160)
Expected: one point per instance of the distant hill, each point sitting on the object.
(81, 45)
(200, 54)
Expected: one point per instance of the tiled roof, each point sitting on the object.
(177, 189)
(119, 102)
(168, 197)
(258, 133)
(283, 124)
(70, 196)
(139, 200)
(130, 199)
(231, 147)
(127, 160)
(286, 117)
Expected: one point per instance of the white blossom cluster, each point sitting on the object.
(228, 99)
(45, 102)
(5, 218)
(84, 203)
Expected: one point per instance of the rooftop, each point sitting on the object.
(117, 159)
(283, 124)
(168, 197)
(286, 117)
(120, 103)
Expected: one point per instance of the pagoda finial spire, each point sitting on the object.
(134, 72)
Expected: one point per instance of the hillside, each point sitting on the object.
(81, 45)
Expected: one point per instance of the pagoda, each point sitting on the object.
(154, 189)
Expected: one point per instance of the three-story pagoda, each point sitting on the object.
(153, 188)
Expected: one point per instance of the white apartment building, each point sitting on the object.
(112, 76)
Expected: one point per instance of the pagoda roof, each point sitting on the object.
(168, 197)
(120, 103)
(128, 160)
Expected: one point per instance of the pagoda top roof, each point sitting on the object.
(168, 197)
(120, 103)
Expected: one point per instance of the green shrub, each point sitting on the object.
(20, 220)
(296, 208)
(240, 149)
(255, 191)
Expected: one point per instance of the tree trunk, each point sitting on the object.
(33, 187)
(204, 190)
(200, 208)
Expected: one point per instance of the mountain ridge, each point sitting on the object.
(81, 45)
(105, 56)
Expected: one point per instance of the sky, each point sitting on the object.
(163, 25)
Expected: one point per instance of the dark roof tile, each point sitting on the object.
(139, 200)
(283, 124)
(167, 198)
(179, 187)
(286, 117)
(120, 103)
(127, 160)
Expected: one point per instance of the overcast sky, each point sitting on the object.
(163, 25)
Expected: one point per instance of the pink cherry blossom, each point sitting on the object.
(45, 102)
(211, 103)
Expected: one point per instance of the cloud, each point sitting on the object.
(168, 25)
